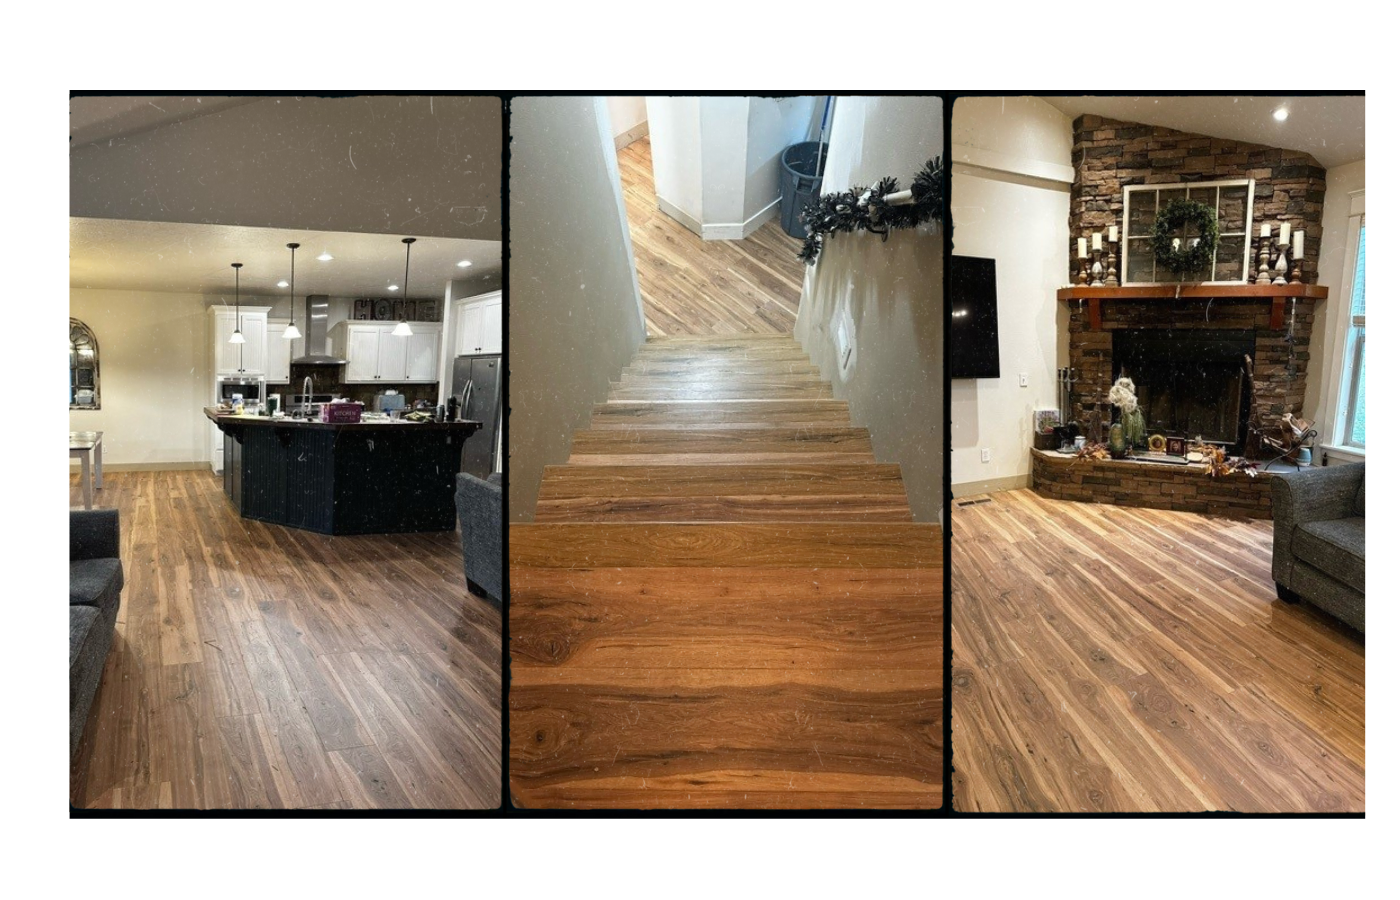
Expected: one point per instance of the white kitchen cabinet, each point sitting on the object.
(279, 353)
(374, 354)
(478, 325)
(248, 358)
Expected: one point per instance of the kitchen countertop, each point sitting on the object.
(223, 419)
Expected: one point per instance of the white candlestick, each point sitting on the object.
(1083, 248)
(1298, 245)
(1284, 231)
(1098, 240)
(1113, 234)
(1264, 230)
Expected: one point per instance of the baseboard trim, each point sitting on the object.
(76, 466)
(992, 485)
(679, 215)
(632, 135)
(737, 231)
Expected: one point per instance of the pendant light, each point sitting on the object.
(402, 329)
(291, 333)
(237, 336)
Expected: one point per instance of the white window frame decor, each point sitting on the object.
(1193, 189)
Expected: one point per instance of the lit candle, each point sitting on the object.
(1098, 240)
(1264, 230)
(1298, 245)
(1113, 234)
(1176, 244)
(1284, 231)
(1083, 248)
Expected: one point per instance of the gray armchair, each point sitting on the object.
(1320, 540)
(479, 510)
(95, 582)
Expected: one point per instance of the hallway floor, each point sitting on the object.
(723, 601)
(692, 286)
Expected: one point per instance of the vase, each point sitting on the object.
(1117, 444)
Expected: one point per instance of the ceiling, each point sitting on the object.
(92, 119)
(172, 257)
(1331, 129)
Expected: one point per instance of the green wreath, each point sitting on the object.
(1193, 256)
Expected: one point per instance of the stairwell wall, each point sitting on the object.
(887, 296)
(575, 311)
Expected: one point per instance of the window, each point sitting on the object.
(1353, 412)
(84, 391)
(1233, 202)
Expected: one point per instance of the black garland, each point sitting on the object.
(865, 208)
(1194, 256)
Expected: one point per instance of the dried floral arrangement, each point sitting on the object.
(1220, 464)
(1123, 395)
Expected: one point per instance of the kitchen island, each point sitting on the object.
(376, 477)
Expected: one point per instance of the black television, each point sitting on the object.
(972, 336)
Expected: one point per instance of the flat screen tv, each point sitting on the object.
(972, 336)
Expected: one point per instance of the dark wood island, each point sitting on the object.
(379, 477)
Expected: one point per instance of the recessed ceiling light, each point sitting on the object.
(393, 287)
(1281, 113)
(282, 283)
(325, 256)
(464, 264)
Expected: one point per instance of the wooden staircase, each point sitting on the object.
(724, 601)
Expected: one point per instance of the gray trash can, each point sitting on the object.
(801, 181)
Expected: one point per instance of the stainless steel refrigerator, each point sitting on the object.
(476, 383)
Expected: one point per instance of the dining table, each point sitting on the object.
(87, 447)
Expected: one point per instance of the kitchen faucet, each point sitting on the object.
(306, 385)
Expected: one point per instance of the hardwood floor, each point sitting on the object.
(1117, 659)
(257, 666)
(725, 603)
(692, 286)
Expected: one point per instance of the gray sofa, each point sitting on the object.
(479, 510)
(1320, 540)
(95, 580)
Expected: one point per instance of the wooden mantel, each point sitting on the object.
(1278, 293)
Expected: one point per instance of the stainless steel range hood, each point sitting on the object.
(318, 307)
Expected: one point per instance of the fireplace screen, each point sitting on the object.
(1189, 382)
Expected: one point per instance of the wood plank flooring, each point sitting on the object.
(1116, 659)
(692, 286)
(724, 603)
(261, 667)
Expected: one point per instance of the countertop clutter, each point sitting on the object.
(368, 422)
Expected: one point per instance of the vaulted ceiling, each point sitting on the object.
(1331, 129)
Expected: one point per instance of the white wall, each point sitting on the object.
(155, 373)
(892, 292)
(1335, 264)
(675, 157)
(575, 313)
(717, 159)
(775, 123)
(628, 117)
(1011, 175)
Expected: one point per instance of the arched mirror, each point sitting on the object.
(84, 390)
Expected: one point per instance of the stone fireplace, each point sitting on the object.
(1185, 345)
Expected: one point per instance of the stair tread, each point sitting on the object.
(814, 439)
(726, 731)
(593, 545)
(705, 480)
(753, 618)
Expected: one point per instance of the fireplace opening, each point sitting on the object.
(1190, 382)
